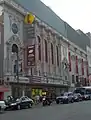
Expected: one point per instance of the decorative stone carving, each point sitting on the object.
(14, 20)
(15, 40)
(73, 57)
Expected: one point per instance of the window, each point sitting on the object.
(23, 98)
(46, 53)
(65, 77)
(64, 51)
(39, 47)
(70, 94)
(77, 79)
(73, 79)
(15, 68)
(52, 56)
(57, 56)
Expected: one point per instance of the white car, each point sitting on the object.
(2, 106)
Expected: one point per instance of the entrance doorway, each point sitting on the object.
(1, 95)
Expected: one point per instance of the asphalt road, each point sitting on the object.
(74, 111)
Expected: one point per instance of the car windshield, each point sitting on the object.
(65, 94)
(62, 94)
(76, 94)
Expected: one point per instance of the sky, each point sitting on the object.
(77, 13)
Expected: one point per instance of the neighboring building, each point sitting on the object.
(78, 66)
(89, 62)
(3, 89)
(53, 65)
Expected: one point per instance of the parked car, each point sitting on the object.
(78, 97)
(86, 97)
(2, 106)
(67, 97)
(20, 103)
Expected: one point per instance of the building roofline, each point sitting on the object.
(24, 11)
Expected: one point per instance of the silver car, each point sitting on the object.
(65, 98)
(2, 106)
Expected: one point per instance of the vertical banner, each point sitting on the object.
(69, 56)
(82, 67)
(76, 65)
(31, 55)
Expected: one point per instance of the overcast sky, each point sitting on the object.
(75, 12)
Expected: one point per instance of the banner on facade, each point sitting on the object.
(29, 31)
(31, 55)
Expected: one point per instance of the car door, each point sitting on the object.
(70, 96)
(23, 102)
(27, 100)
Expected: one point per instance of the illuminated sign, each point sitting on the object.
(29, 18)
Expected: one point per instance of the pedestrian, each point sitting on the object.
(37, 99)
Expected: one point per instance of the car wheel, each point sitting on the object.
(30, 105)
(18, 107)
(72, 100)
(78, 100)
(57, 101)
(89, 98)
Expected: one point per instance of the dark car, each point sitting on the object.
(86, 97)
(23, 102)
(78, 97)
(67, 97)
(84, 93)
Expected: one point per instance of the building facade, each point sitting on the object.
(56, 64)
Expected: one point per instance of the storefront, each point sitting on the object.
(3, 89)
(32, 90)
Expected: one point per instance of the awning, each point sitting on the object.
(4, 89)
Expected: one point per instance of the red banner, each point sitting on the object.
(31, 55)
(76, 64)
(82, 67)
(69, 56)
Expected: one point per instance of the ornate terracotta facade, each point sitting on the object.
(58, 62)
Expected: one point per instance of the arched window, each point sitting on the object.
(46, 52)
(39, 47)
(57, 55)
(52, 56)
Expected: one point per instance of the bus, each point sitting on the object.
(85, 91)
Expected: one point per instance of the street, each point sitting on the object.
(75, 111)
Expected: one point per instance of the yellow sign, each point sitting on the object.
(43, 93)
(29, 18)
